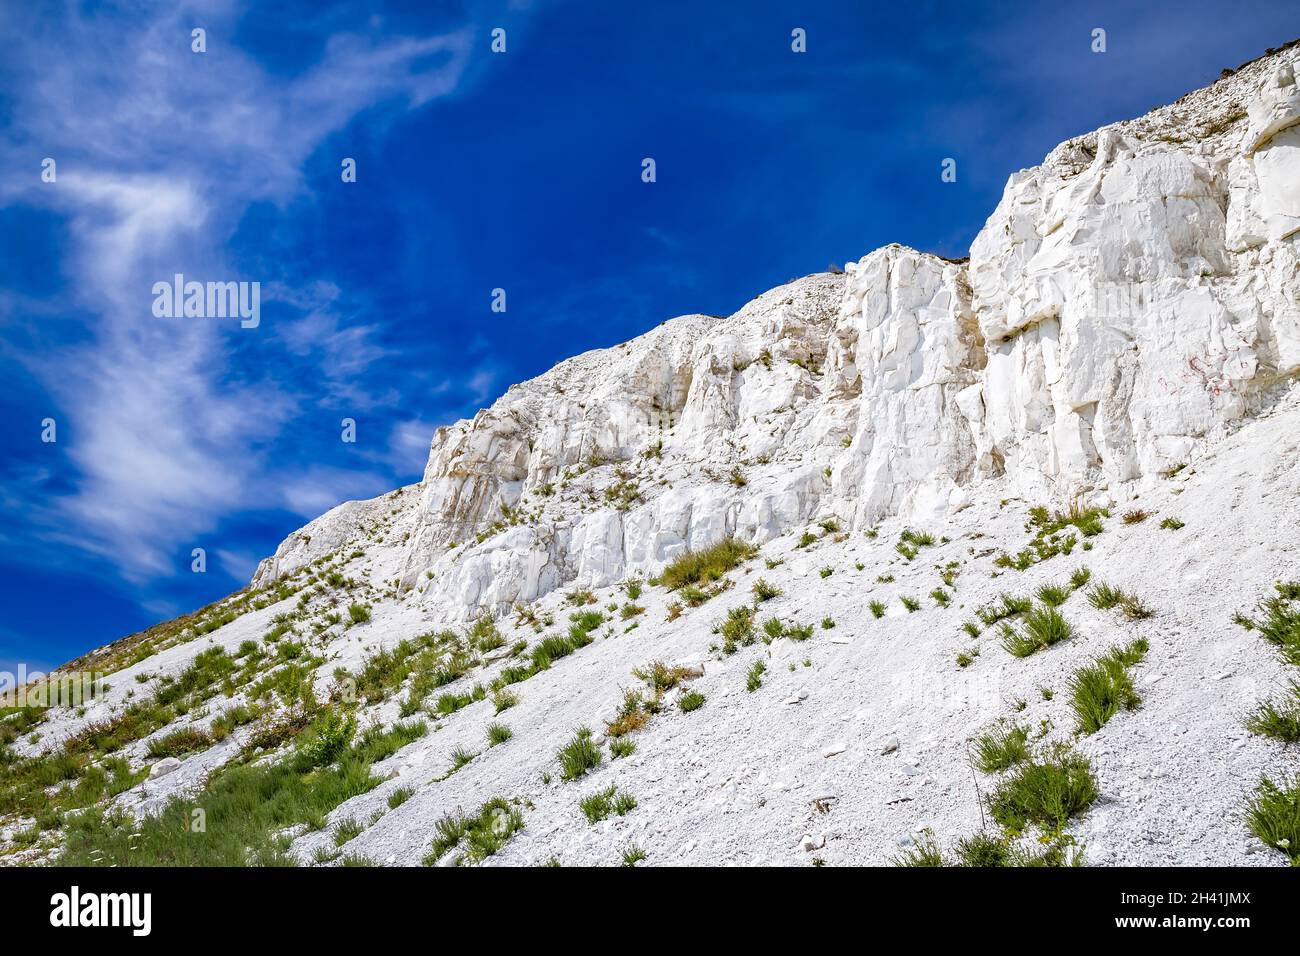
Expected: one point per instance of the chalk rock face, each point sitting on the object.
(1128, 302)
(1274, 145)
(340, 527)
(617, 460)
(1137, 292)
(908, 350)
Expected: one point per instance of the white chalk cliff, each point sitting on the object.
(1128, 301)
(1126, 331)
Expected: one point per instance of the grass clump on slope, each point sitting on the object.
(1273, 815)
(706, 565)
(242, 807)
(1101, 689)
(986, 850)
(481, 834)
(1039, 629)
(1045, 792)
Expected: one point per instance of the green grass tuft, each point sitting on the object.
(1104, 597)
(1046, 793)
(924, 852)
(602, 803)
(632, 855)
(579, 755)
(1002, 748)
(1273, 815)
(691, 700)
(709, 564)
(1101, 689)
(481, 835)
(1053, 595)
(1280, 720)
(1041, 628)
(1005, 606)
(180, 742)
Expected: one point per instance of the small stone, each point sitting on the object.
(891, 744)
(163, 767)
(838, 747)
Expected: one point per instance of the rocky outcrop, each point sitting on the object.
(908, 350)
(340, 528)
(1128, 302)
(1138, 291)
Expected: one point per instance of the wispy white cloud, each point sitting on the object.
(238, 564)
(342, 351)
(480, 383)
(319, 488)
(161, 151)
(408, 445)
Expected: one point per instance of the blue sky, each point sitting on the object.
(476, 170)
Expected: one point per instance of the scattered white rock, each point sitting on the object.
(163, 767)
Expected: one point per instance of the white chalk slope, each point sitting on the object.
(1126, 332)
